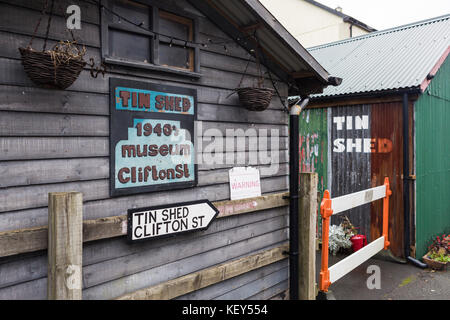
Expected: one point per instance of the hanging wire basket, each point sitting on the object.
(56, 68)
(52, 68)
(255, 99)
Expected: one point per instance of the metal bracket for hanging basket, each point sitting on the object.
(254, 98)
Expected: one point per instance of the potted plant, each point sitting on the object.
(438, 254)
(340, 237)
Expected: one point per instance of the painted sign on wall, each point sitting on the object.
(352, 148)
(151, 137)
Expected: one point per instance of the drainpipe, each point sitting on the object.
(294, 157)
(406, 178)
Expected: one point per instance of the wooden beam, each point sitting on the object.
(250, 28)
(65, 243)
(23, 240)
(302, 74)
(34, 239)
(206, 277)
(336, 102)
(307, 235)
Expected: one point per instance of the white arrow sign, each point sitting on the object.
(152, 222)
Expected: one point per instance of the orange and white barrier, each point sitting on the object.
(328, 207)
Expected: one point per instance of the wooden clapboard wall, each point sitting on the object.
(58, 141)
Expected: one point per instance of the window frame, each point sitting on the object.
(155, 40)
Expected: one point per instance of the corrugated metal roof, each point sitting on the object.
(391, 59)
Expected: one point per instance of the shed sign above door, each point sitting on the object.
(153, 222)
(151, 137)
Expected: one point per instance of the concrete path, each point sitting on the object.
(398, 282)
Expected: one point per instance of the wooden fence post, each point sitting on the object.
(307, 235)
(65, 243)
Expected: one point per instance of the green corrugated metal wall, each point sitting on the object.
(314, 144)
(313, 148)
(432, 117)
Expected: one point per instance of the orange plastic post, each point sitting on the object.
(386, 213)
(326, 212)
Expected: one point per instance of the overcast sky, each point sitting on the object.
(384, 14)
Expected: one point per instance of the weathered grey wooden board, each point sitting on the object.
(222, 175)
(27, 173)
(252, 158)
(146, 260)
(221, 288)
(24, 148)
(256, 286)
(212, 103)
(33, 99)
(11, 42)
(208, 32)
(89, 11)
(17, 198)
(30, 218)
(277, 291)
(12, 73)
(215, 59)
(37, 289)
(40, 124)
(64, 134)
(239, 114)
(12, 18)
(21, 148)
(181, 267)
(30, 290)
(100, 251)
(35, 267)
(104, 206)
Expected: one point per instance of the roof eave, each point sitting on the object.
(368, 94)
(318, 77)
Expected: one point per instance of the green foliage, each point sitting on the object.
(440, 248)
(440, 257)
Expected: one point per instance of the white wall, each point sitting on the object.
(309, 24)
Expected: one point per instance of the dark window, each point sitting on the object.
(141, 34)
(129, 46)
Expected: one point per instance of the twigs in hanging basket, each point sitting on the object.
(57, 68)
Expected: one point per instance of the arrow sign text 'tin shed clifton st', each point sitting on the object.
(158, 221)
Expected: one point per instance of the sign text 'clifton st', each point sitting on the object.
(158, 221)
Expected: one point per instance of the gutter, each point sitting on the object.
(294, 158)
(318, 99)
(406, 184)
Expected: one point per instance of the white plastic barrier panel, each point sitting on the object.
(329, 207)
(357, 199)
(346, 265)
